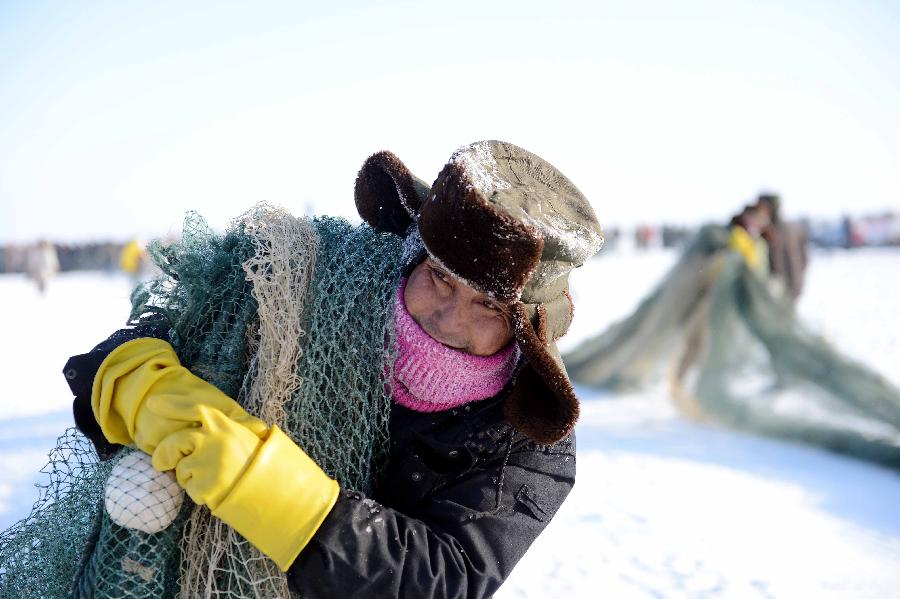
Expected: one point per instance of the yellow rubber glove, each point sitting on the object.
(142, 394)
(266, 488)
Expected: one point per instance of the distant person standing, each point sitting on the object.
(787, 247)
(746, 237)
(133, 260)
(41, 263)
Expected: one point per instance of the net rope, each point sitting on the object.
(280, 271)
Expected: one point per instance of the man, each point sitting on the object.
(482, 452)
(787, 247)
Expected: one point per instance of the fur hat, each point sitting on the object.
(512, 226)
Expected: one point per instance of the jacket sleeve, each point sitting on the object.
(453, 548)
(81, 369)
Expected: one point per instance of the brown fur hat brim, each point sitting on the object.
(480, 243)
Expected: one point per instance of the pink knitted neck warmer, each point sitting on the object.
(430, 377)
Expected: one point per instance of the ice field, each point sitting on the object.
(662, 507)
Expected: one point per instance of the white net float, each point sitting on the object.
(139, 497)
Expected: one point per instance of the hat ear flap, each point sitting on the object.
(387, 194)
(532, 409)
(542, 403)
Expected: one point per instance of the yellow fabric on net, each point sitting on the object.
(742, 242)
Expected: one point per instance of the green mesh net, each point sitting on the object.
(289, 316)
(41, 555)
(134, 547)
(735, 353)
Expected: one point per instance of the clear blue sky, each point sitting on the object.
(118, 117)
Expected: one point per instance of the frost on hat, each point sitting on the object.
(497, 202)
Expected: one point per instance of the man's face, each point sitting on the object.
(455, 314)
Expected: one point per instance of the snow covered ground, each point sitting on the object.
(666, 508)
(662, 507)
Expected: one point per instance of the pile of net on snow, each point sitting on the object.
(290, 317)
(737, 355)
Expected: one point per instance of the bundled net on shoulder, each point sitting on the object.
(736, 354)
(288, 316)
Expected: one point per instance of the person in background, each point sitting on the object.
(42, 263)
(787, 243)
(133, 259)
(735, 353)
(746, 236)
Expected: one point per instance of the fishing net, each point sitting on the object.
(41, 554)
(288, 316)
(736, 354)
(133, 548)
